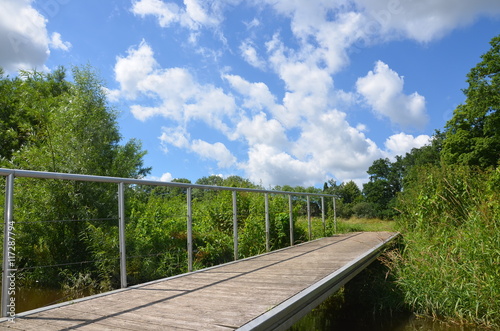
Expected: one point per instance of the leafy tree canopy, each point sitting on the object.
(473, 134)
(347, 192)
(51, 124)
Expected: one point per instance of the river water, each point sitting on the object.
(330, 315)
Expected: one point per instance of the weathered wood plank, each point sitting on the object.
(225, 297)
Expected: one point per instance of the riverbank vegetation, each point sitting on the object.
(450, 265)
(449, 209)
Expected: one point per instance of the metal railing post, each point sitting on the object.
(323, 215)
(189, 230)
(121, 231)
(290, 207)
(334, 217)
(268, 226)
(8, 248)
(235, 226)
(309, 226)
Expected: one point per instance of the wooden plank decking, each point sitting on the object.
(244, 294)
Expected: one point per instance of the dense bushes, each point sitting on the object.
(72, 244)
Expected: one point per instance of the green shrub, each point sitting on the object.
(364, 210)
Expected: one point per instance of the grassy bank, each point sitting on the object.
(365, 224)
(342, 226)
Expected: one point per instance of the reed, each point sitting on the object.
(449, 267)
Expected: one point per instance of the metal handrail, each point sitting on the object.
(133, 181)
(9, 238)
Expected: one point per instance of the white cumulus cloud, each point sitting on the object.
(178, 96)
(131, 70)
(193, 15)
(57, 43)
(269, 165)
(217, 151)
(180, 138)
(294, 127)
(382, 90)
(177, 137)
(24, 39)
(260, 130)
(335, 146)
(23, 36)
(423, 20)
(402, 143)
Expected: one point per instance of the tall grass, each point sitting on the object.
(450, 266)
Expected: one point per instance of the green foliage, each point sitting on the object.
(388, 179)
(49, 231)
(429, 154)
(450, 266)
(472, 135)
(361, 224)
(49, 123)
(385, 183)
(347, 196)
(252, 240)
(364, 210)
(157, 239)
(52, 124)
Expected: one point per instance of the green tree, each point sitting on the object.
(429, 154)
(385, 182)
(347, 194)
(52, 124)
(211, 180)
(71, 127)
(473, 133)
(237, 181)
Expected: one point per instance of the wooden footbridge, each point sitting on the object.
(266, 292)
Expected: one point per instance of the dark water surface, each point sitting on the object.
(332, 316)
(28, 299)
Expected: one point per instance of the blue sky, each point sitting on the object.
(276, 91)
